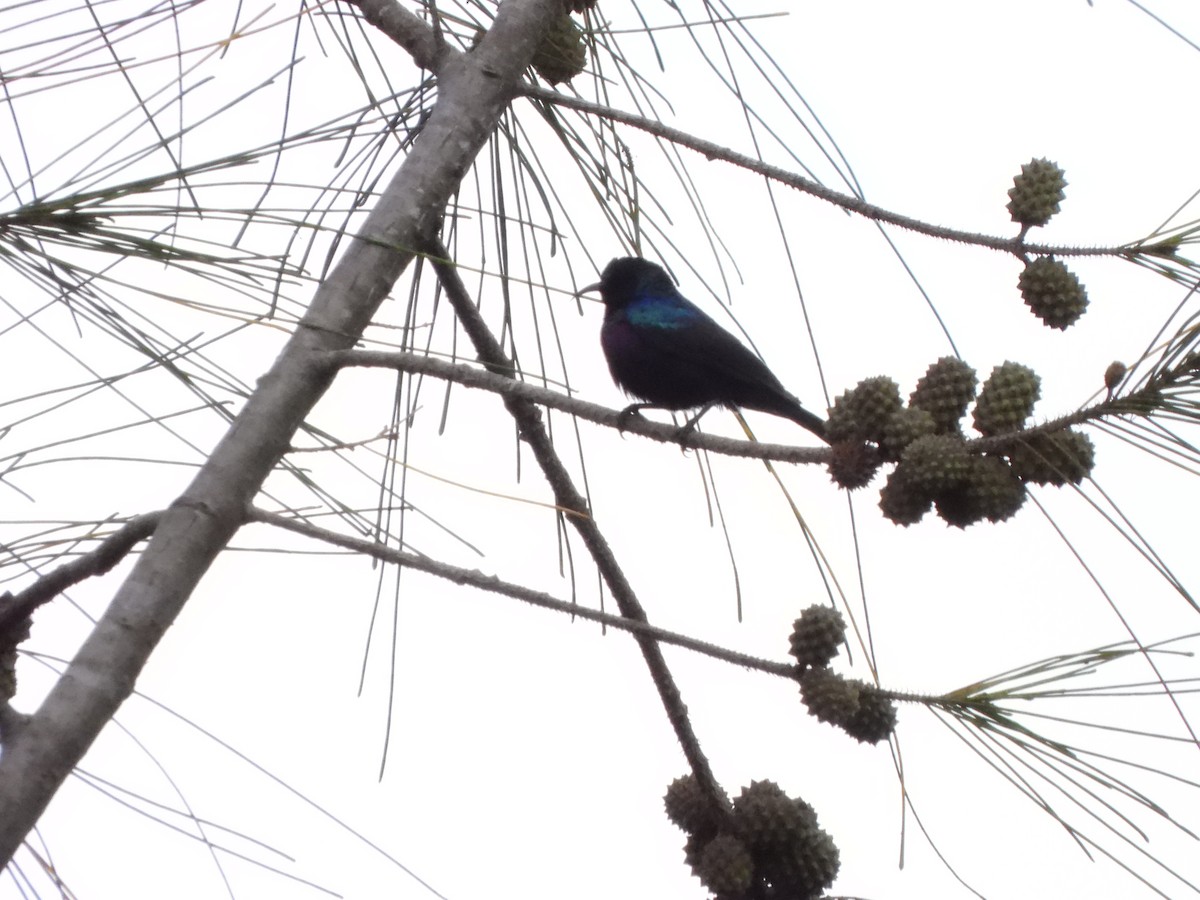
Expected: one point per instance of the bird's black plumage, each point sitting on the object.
(665, 351)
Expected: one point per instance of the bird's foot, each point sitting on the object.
(690, 425)
(633, 410)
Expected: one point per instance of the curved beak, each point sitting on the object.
(587, 290)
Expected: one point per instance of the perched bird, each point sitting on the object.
(665, 351)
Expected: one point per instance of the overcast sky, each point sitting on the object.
(528, 754)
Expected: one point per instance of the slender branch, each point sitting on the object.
(425, 46)
(506, 386)
(474, 90)
(533, 432)
(497, 382)
(15, 608)
(1016, 245)
(492, 584)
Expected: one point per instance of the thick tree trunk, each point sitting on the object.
(474, 90)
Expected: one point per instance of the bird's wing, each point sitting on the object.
(676, 355)
(695, 343)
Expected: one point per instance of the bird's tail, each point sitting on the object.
(808, 420)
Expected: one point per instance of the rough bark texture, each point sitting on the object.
(473, 91)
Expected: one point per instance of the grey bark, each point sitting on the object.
(473, 91)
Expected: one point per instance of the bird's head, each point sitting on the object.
(626, 277)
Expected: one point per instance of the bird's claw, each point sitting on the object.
(690, 425)
(625, 416)
(685, 429)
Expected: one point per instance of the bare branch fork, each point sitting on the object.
(473, 92)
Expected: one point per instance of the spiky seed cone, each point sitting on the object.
(805, 869)
(768, 819)
(999, 492)
(757, 790)
(693, 847)
(874, 402)
(959, 508)
(829, 696)
(562, 53)
(990, 492)
(817, 635)
(876, 717)
(725, 866)
(936, 463)
(1064, 457)
(1052, 292)
(904, 427)
(1007, 398)
(862, 412)
(901, 501)
(945, 392)
(690, 808)
(840, 427)
(852, 464)
(792, 855)
(1036, 193)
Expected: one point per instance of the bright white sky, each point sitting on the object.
(528, 754)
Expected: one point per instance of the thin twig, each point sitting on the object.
(15, 608)
(533, 431)
(710, 150)
(493, 585)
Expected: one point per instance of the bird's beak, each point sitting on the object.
(588, 289)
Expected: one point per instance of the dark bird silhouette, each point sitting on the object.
(666, 352)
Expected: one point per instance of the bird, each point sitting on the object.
(667, 353)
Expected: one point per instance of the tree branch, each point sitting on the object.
(405, 28)
(532, 430)
(496, 382)
(1016, 245)
(506, 386)
(490, 583)
(15, 608)
(473, 92)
